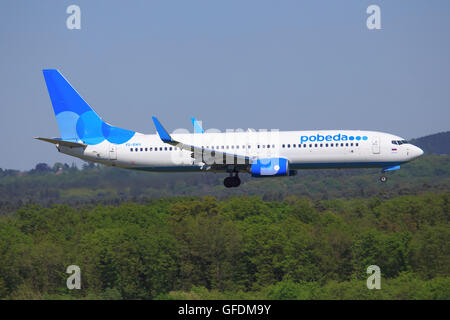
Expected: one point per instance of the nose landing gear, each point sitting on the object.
(232, 181)
(383, 178)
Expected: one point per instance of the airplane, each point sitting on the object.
(260, 153)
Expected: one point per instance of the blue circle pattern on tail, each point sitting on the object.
(76, 119)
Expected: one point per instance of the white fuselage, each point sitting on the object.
(303, 149)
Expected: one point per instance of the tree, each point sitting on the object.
(41, 168)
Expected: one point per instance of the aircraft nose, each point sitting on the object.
(417, 152)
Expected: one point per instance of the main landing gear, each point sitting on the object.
(232, 181)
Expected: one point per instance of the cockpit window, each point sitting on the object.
(399, 142)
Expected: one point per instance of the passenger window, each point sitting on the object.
(321, 145)
(170, 148)
(293, 146)
(136, 149)
(357, 144)
(131, 149)
(160, 148)
(310, 145)
(315, 145)
(346, 144)
(268, 146)
(342, 144)
(258, 146)
(351, 144)
(331, 144)
(283, 145)
(249, 146)
(289, 145)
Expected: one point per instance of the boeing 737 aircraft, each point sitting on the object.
(261, 153)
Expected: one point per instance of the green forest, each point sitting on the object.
(138, 235)
(242, 247)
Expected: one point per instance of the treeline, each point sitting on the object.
(241, 247)
(64, 184)
(438, 143)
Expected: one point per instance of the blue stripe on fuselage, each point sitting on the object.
(330, 165)
(337, 165)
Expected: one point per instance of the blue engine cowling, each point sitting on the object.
(271, 167)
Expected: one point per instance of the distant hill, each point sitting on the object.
(438, 143)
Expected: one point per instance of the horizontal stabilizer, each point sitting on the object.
(63, 142)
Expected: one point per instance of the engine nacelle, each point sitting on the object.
(270, 167)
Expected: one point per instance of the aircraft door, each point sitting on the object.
(375, 145)
(112, 152)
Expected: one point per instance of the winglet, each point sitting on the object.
(197, 126)
(163, 134)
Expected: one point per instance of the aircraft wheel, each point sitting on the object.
(236, 181)
(228, 182)
(383, 179)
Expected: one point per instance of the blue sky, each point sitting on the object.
(287, 65)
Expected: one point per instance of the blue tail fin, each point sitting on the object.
(76, 119)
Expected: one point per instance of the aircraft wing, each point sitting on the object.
(214, 158)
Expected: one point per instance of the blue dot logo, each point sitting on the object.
(364, 138)
(358, 138)
(351, 138)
